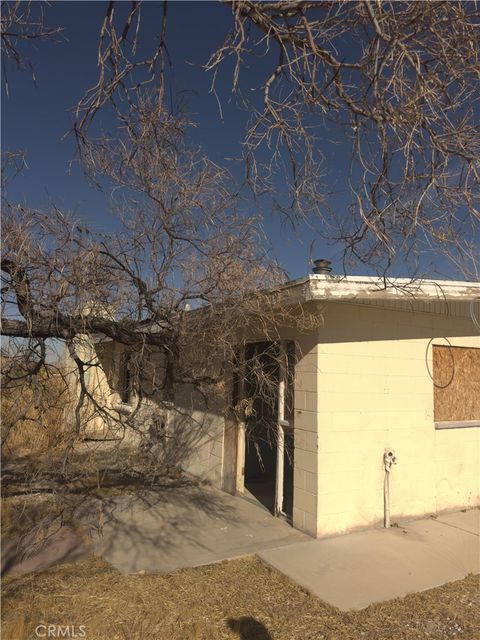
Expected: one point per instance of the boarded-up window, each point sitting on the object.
(456, 376)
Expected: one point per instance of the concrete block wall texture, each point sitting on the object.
(202, 430)
(97, 383)
(456, 468)
(305, 459)
(362, 383)
(199, 432)
(456, 457)
(375, 391)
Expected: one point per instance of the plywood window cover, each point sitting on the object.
(456, 377)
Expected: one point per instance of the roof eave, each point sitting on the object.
(326, 287)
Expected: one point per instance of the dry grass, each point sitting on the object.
(237, 599)
(33, 414)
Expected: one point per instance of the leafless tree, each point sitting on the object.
(173, 290)
(400, 82)
(22, 22)
(395, 83)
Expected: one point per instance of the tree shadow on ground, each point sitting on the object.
(249, 629)
(130, 503)
(124, 520)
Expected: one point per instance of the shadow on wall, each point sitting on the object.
(123, 488)
(186, 433)
(353, 322)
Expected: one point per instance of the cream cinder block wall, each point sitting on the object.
(199, 431)
(375, 391)
(196, 429)
(96, 372)
(305, 459)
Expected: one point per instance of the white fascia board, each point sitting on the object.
(325, 287)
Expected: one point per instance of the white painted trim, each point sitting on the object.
(240, 464)
(457, 424)
(279, 476)
(331, 288)
(241, 430)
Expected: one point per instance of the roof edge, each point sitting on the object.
(361, 287)
(319, 286)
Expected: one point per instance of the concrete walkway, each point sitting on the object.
(354, 570)
(185, 527)
(179, 526)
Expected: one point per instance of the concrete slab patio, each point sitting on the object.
(354, 570)
(157, 531)
(186, 527)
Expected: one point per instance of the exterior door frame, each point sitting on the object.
(280, 427)
(280, 470)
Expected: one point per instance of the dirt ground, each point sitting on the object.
(240, 598)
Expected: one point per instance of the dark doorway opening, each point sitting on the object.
(266, 364)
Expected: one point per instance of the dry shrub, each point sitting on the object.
(33, 413)
(21, 515)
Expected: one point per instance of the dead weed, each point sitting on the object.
(238, 599)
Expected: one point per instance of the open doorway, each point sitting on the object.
(269, 450)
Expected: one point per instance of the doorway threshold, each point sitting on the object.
(253, 499)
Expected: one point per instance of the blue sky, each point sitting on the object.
(36, 116)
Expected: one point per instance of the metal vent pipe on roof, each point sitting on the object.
(322, 266)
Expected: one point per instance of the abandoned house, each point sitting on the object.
(390, 375)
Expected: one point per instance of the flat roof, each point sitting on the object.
(331, 287)
(320, 287)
